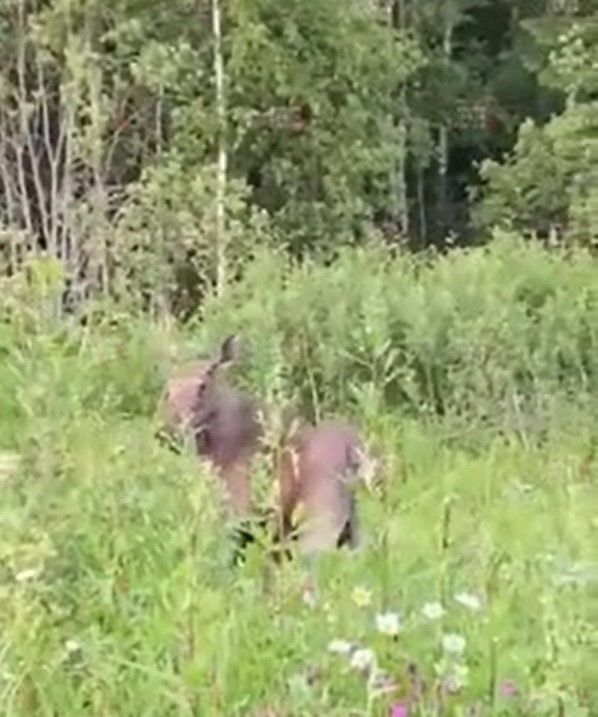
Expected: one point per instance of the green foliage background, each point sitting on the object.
(400, 198)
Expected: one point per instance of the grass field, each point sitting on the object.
(117, 597)
(476, 592)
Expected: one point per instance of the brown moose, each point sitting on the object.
(317, 471)
(222, 422)
(316, 468)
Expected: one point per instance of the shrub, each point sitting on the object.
(491, 334)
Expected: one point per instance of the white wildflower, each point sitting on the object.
(25, 575)
(432, 611)
(388, 623)
(9, 463)
(72, 646)
(453, 643)
(340, 647)
(471, 602)
(363, 659)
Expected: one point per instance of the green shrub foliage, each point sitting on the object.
(491, 333)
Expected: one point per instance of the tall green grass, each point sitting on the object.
(117, 596)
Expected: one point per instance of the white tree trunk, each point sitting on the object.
(443, 141)
(220, 229)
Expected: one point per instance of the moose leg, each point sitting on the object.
(237, 481)
(328, 510)
(242, 536)
(288, 492)
(351, 532)
(247, 523)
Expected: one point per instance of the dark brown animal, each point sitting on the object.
(222, 422)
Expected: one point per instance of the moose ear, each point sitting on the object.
(230, 349)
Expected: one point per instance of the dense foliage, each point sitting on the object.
(484, 336)
(151, 148)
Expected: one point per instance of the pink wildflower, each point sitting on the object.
(508, 689)
(399, 709)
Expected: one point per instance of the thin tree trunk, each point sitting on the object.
(443, 144)
(220, 229)
(398, 178)
(159, 121)
(401, 181)
(443, 149)
(421, 205)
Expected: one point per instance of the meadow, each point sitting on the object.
(474, 375)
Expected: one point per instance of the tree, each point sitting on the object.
(548, 184)
(141, 138)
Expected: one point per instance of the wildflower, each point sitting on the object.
(25, 575)
(308, 593)
(453, 643)
(309, 598)
(363, 659)
(388, 623)
(9, 462)
(362, 597)
(433, 611)
(472, 602)
(399, 709)
(340, 647)
(72, 646)
(451, 685)
(380, 683)
(508, 689)
(456, 679)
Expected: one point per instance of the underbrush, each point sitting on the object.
(490, 338)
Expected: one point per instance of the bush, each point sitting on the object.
(547, 185)
(493, 334)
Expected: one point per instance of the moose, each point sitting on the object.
(316, 468)
(220, 420)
